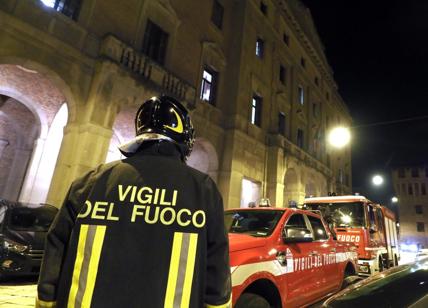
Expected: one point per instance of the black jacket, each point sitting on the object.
(147, 231)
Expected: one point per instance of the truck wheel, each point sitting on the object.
(251, 300)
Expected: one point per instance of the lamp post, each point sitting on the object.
(377, 180)
(339, 137)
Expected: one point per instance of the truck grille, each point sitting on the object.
(35, 254)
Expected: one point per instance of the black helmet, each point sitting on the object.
(162, 118)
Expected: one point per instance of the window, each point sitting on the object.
(217, 14)
(318, 228)
(300, 138)
(256, 110)
(418, 209)
(281, 123)
(260, 48)
(415, 172)
(420, 226)
(317, 82)
(209, 85)
(423, 189)
(69, 8)
(410, 189)
(301, 95)
(286, 39)
(297, 221)
(282, 74)
(155, 42)
(403, 189)
(327, 95)
(303, 62)
(263, 8)
(401, 173)
(315, 109)
(416, 189)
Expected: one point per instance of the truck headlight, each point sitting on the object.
(14, 246)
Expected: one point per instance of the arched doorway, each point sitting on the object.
(36, 112)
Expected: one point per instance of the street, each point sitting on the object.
(18, 293)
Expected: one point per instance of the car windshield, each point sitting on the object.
(260, 223)
(346, 214)
(32, 219)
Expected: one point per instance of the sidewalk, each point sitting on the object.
(14, 296)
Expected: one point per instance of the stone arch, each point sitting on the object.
(43, 93)
(204, 158)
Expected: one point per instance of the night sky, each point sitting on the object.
(378, 51)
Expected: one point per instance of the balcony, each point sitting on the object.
(145, 69)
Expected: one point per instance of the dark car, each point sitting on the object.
(23, 229)
(402, 286)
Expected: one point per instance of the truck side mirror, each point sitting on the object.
(296, 235)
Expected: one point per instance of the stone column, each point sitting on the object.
(3, 144)
(84, 146)
(275, 179)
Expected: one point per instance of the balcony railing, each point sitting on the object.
(148, 70)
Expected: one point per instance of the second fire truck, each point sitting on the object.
(370, 226)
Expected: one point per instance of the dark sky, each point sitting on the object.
(378, 51)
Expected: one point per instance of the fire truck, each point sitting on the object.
(372, 227)
(283, 257)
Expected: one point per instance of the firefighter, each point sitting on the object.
(146, 231)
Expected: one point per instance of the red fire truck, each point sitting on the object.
(283, 257)
(370, 226)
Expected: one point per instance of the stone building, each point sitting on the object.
(410, 185)
(263, 97)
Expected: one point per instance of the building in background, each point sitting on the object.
(410, 184)
(263, 97)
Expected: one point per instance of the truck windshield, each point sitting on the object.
(259, 223)
(346, 214)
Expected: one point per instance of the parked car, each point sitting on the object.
(402, 286)
(421, 254)
(23, 229)
(283, 257)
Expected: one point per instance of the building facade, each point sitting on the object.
(262, 95)
(410, 184)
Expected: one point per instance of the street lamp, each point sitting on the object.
(394, 199)
(377, 180)
(339, 137)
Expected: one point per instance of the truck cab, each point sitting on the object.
(284, 257)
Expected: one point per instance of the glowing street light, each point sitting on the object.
(377, 180)
(339, 137)
(394, 199)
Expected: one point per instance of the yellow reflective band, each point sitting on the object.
(93, 265)
(77, 265)
(179, 127)
(173, 270)
(227, 305)
(45, 304)
(190, 267)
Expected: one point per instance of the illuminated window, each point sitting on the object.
(155, 42)
(281, 123)
(250, 192)
(418, 209)
(420, 226)
(256, 110)
(217, 14)
(301, 94)
(69, 8)
(260, 48)
(208, 87)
